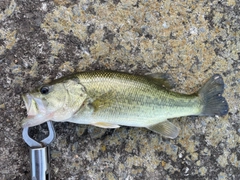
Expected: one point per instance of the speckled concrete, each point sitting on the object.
(188, 40)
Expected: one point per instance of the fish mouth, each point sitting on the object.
(35, 111)
(28, 103)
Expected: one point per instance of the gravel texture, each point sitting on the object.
(187, 40)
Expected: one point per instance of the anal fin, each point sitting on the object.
(166, 129)
(105, 125)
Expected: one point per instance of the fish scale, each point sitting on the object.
(136, 98)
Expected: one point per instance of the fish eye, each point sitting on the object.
(44, 90)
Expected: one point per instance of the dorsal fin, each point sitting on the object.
(161, 79)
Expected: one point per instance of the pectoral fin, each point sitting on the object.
(166, 129)
(103, 101)
(105, 125)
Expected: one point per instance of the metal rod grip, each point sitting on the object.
(40, 166)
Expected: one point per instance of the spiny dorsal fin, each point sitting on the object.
(166, 129)
(161, 79)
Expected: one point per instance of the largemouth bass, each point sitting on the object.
(112, 99)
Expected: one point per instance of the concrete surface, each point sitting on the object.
(189, 40)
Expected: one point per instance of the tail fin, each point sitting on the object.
(211, 95)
